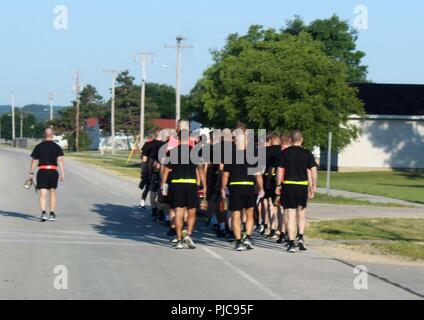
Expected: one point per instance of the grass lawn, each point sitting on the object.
(402, 237)
(338, 200)
(116, 162)
(407, 186)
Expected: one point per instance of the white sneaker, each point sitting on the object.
(189, 241)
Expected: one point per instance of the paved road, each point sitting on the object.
(112, 251)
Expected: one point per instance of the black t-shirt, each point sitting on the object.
(180, 169)
(47, 153)
(239, 172)
(272, 157)
(148, 148)
(296, 161)
(154, 154)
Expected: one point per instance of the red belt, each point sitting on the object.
(47, 167)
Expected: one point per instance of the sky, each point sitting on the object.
(37, 58)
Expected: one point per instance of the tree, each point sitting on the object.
(91, 106)
(339, 42)
(31, 128)
(128, 105)
(279, 82)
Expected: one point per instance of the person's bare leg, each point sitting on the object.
(43, 199)
(179, 222)
(250, 220)
(172, 217)
(53, 200)
(291, 223)
(301, 217)
(236, 224)
(191, 220)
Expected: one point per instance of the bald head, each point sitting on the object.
(49, 134)
(297, 137)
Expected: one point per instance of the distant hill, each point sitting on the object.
(41, 112)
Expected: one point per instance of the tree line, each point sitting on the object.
(296, 77)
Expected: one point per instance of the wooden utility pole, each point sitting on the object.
(112, 106)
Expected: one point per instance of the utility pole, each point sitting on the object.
(179, 46)
(144, 58)
(330, 145)
(51, 95)
(21, 125)
(77, 110)
(13, 119)
(112, 106)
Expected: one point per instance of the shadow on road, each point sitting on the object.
(18, 215)
(129, 223)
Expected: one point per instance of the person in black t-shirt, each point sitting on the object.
(184, 176)
(272, 155)
(242, 196)
(48, 156)
(298, 173)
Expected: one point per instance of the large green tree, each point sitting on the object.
(279, 81)
(339, 41)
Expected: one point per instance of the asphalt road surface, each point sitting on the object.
(110, 250)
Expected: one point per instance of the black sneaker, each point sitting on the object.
(52, 217)
(281, 239)
(239, 246)
(43, 217)
(291, 248)
(271, 234)
(301, 244)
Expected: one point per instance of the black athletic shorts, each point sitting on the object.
(182, 195)
(241, 197)
(47, 179)
(270, 185)
(294, 196)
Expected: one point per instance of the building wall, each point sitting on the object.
(385, 144)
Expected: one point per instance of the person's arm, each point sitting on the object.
(34, 163)
(313, 178)
(280, 180)
(202, 178)
(61, 163)
(224, 177)
(165, 174)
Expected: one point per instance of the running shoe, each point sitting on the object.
(142, 208)
(189, 241)
(248, 243)
(178, 245)
(52, 217)
(43, 217)
(291, 248)
(281, 239)
(174, 239)
(184, 233)
(301, 244)
(271, 234)
(239, 246)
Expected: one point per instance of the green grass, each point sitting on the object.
(401, 237)
(407, 186)
(339, 200)
(116, 163)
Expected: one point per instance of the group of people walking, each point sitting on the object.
(185, 175)
(215, 175)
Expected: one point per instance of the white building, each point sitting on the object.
(392, 133)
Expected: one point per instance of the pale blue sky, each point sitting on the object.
(36, 58)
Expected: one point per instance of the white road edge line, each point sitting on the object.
(243, 274)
